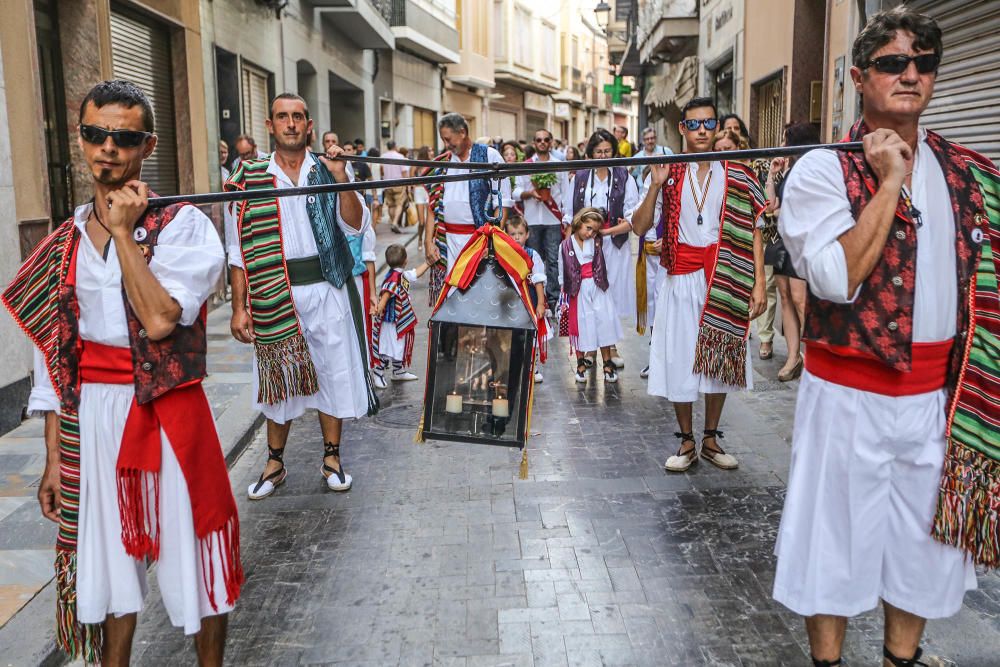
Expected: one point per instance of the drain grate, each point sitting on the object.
(403, 416)
(768, 385)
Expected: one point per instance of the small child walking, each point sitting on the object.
(583, 277)
(517, 229)
(395, 322)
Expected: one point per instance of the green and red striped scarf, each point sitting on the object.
(721, 350)
(34, 299)
(284, 366)
(968, 508)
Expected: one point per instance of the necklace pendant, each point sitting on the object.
(700, 219)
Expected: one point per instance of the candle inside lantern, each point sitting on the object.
(453, 404)
(501, 408)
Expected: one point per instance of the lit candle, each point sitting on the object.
(501, 408)
(453, 404)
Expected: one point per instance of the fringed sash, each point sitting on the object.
(722, 333)
(968, 508)
(284, 365)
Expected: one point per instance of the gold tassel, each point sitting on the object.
(524, 462)
(640, 292)
(419, 436)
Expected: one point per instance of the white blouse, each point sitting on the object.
(297, 238)
(690, 232)
(596, 195)
(187, 261)
(584, 254)
(456, 195)
(815, 212)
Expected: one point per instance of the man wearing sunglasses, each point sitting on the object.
(892, 477)
(294, 295)
(712, 257)
(543, 215)
(114, 302)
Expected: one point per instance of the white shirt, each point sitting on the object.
(456, 195)
(535, 211)
(596, 194)
(537, 274)
(690, 232)
(187, 261)
(584, 254)
(368, 245)
(296, 230)
(815, 212)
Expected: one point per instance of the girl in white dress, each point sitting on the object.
(583, 277)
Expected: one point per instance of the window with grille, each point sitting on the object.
(770, 106)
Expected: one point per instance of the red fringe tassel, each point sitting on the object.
(139, 506)
(226, 543)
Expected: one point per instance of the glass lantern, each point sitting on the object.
(479, 374)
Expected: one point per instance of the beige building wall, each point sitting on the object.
(840, 99)
(470, 81)
(767, 46)
(15, 363)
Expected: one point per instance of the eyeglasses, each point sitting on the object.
(897, 64)
(692, 123)
(122, 138)
(603, 153)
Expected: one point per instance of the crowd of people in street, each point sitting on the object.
(880, 260)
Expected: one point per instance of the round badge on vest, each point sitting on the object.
(140, 234)
(311, 199)
(977, 235)
(670, 181)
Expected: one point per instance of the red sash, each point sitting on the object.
(550, 202)
(691, 258)
(184, 415)
(586, 271)
(459, 228)
(850, 368)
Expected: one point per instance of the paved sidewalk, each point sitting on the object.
(440, 555)
(27, 539)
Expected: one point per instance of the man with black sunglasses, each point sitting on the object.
(893, 478)
(712, 256)
(114, 301)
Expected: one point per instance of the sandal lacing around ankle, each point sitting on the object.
(902, 662)
(716, 455)
(336, 480)
(266, 485)
(682, 460)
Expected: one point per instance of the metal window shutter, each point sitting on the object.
(140, 53)
(255, 105)
(966, 103)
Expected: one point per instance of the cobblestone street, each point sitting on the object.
(440, 555)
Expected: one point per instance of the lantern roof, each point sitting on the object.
(490, 301)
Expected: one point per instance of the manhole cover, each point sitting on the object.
(404, 415)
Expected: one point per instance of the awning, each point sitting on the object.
(676, 85)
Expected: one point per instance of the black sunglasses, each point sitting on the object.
(897, 64)
(545, 139)
(122, 138)
(692, 123)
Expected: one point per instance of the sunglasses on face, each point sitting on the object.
(897, 64)
(542, 140)
(122, 138)
(691, 124)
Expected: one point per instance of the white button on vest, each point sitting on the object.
(897, 281)
(892, 326)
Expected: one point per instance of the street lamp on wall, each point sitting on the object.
(603, 13)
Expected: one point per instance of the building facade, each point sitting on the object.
(966, 103)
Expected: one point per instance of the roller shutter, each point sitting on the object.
(140, 53)
(966, 103)
(256, 105)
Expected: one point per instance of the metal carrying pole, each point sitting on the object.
(491, 170)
